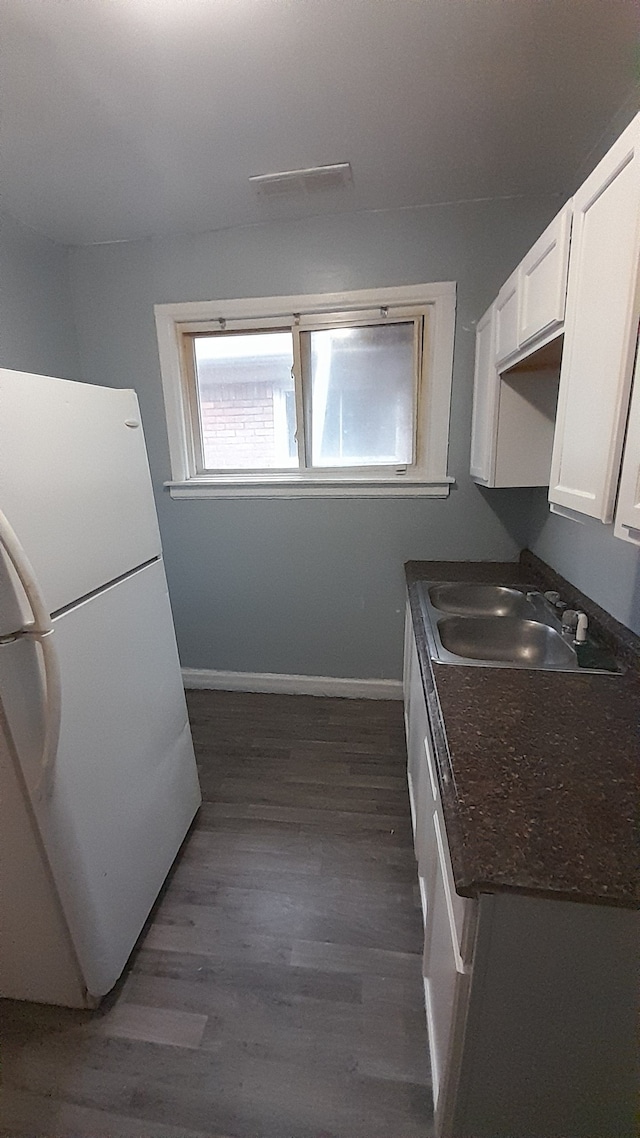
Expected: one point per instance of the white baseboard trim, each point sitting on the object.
(291, 685)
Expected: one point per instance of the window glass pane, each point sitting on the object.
(246, 400)
(362, 410)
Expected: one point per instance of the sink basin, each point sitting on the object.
(480, 600)
(510, 640)
(495, 626)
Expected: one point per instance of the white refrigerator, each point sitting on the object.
(98, 783)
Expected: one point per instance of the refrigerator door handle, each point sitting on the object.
(40, 629)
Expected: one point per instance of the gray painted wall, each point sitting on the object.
(310, 587)
(599, 564)
(37, 331)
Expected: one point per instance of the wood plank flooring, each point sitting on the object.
(276, 991)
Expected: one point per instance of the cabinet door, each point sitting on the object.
(426, 849)
(445, 980)
(485, 400)
(628, 509)
(542, 285)
(440, 986)
(506, 306)
(417, 729)
(600, 333)
(406, 665)
(425, 845)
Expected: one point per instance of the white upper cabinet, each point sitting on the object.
(506, 317)
(530, 305)
(601, 324)
(485, 399)
(513, 413)
(580, 279)
(628, 508)
(517, 364)
(542, 281)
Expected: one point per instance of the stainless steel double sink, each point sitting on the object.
(504, 627)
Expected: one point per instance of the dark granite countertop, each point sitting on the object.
(539, 771)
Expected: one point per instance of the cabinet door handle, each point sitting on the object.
(40, 630)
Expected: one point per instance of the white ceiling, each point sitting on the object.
(124, 118)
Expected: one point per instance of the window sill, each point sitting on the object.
(289, 488)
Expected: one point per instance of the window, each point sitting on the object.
(331, 395)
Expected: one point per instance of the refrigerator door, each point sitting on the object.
(37, 960)
(74, 484)
(123, 788)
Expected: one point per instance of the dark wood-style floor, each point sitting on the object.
(276, 991)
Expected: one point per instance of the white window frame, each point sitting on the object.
(426, 477)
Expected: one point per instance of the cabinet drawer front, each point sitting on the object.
(507, 320)
(543, 280)
(600, 333)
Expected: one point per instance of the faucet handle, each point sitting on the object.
(553, 598)
(573, 619)
(581, 627)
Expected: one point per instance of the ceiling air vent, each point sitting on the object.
(312, 180)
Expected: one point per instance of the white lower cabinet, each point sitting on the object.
(530, 1001)
(446, 972)
(440, 982)
(448, 917)
(416, 720)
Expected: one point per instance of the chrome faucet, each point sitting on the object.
(574, 620)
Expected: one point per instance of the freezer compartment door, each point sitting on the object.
(123, 789)
(74, 484)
